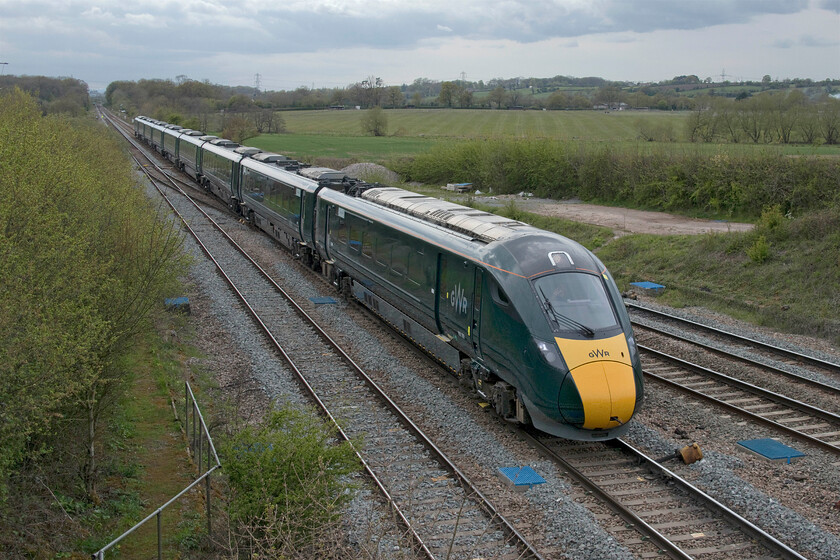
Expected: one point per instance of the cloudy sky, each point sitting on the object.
(333, 43)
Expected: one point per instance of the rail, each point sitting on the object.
(197, 447)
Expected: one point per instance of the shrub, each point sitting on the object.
(759, 251)
(287, 479)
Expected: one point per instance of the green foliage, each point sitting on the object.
(691, 181)
(287, 479)
(65, 96)
(239, 129)
(375, 122)
(85, 259)
(759, 251)
(794, 287)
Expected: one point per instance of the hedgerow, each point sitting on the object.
(724, 184)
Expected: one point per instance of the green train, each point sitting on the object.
(529, 319)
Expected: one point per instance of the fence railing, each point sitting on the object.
(200, 443)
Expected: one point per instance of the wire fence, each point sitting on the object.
(201, 444)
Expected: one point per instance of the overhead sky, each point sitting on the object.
(333, 43)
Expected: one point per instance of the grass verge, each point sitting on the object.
(148, 462)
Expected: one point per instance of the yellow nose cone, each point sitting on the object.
(607, 391)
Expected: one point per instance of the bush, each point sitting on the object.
(287, 479)
(759, 251)
(375, 122)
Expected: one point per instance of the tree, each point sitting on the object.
(375, 122)
(465, 98)
(239, 128)
(82, 268)
(610, 96)
(395, 96)
(557, 100)
(497, 96)
(448, 94)
(829, 119)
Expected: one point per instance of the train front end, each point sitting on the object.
(581, 376)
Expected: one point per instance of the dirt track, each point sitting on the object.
(621, 220)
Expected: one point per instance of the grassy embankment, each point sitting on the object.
(785, 274)
(147, 463)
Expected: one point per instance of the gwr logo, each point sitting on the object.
(458, 300)
(599, 354)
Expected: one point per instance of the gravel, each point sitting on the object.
(791, 501)
(794, 502)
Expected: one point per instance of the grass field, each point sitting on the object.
(338, 134)
(478, 123)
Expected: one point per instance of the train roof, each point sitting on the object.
(322, 174)
(269, 157)
(223, 151)
(247, 151)
(279, 174)
(505, 246)
(480, 225)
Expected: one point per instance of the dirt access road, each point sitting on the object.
(621, 220)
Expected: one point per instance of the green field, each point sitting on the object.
(483, 123)
(338, 134)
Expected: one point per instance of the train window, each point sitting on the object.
(415, 268)
(383, 252)
(354, 234)
(367, 244)
(399, 259)
(576, 301)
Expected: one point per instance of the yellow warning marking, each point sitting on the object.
(483, 404)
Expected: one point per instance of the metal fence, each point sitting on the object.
(200, 444)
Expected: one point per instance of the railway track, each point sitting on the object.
(445, 514)
(796, 366)
(795, 418)
(646, 497)
(678, 518)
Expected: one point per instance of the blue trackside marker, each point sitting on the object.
(322, 300)
(652, 287)
(521, 477)
(771, 449)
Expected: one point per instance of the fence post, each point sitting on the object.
(207, 499)
(198, 455)
(186, 410)
(159, 540)
(195, 421)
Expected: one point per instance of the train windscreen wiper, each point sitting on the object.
(566, 320)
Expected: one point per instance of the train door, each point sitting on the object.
(475, 327)
(456, 278)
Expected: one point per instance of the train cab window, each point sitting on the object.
(576, 301)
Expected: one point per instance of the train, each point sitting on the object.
(529, 319)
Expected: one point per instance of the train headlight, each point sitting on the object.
(550, 353)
